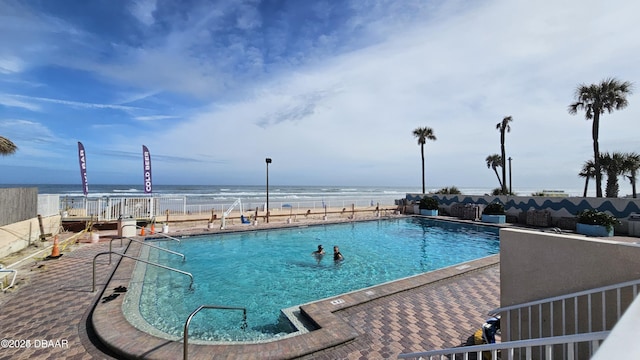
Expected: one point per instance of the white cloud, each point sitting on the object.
(343, 106)
(10, 64)
(143, 11)
(155, 117)
(76, 104)
(460, 76)
(8, 100)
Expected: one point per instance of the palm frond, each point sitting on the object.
(7, 147)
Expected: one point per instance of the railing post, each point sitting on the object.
(184, 205)
(110, 208)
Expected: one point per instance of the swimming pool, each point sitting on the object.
(266, 271)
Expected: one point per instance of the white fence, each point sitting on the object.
(48, 205)
(112, 208)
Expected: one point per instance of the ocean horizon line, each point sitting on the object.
(311, 191)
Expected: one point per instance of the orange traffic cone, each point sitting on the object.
(55, 252)
(153, 229)
(142, 231)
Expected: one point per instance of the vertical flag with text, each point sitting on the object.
(146, 165)
(82, 158)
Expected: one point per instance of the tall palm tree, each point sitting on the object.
(504, 127)
(610, 94)
(6, 146)
(494, 162)
(588, 172)
(423, 134)
(612, 164)
(631, 165)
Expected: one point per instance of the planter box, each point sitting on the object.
(494, 219)
(426, 212)
(593, 230)
(540, 218)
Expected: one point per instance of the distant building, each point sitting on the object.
(554, 193)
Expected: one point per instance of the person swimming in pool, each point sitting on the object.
(320, 251)
(337, 256)
(319, 254)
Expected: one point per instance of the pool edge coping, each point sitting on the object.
(115, 332)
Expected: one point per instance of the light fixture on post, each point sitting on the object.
(510, 188)
(268, 161)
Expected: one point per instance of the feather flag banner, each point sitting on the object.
(82, 158)
(146, 168)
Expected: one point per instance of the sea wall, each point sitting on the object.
(560, 210)
(20, 235)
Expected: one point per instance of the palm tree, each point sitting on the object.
(631, 165)
(423, 134)
(6, 146)
(610, 94)
(504, 127)
(493, 162)
(612, 164)
(588, 172)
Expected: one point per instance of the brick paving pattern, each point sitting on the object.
(431, 317)
(53, 301)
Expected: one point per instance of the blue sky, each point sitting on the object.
(330, 90)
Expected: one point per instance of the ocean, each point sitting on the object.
(226, 194)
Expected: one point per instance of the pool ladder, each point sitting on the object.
(185, 348)
(143, 243)
(137, 259)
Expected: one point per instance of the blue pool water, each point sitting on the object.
(266, 271)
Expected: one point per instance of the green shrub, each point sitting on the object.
(429, 203)
(495, 208)
(449, 191)
(594, 217)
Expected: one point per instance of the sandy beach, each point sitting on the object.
(277, 217)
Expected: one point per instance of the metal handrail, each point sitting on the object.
(160, 248)
(15, 273)
(185, 349)
(168, 236)
(134, 258)
(594, 338)
(111, 244)
(144, 243)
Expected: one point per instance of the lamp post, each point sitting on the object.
(268, 161)
(510, 188)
